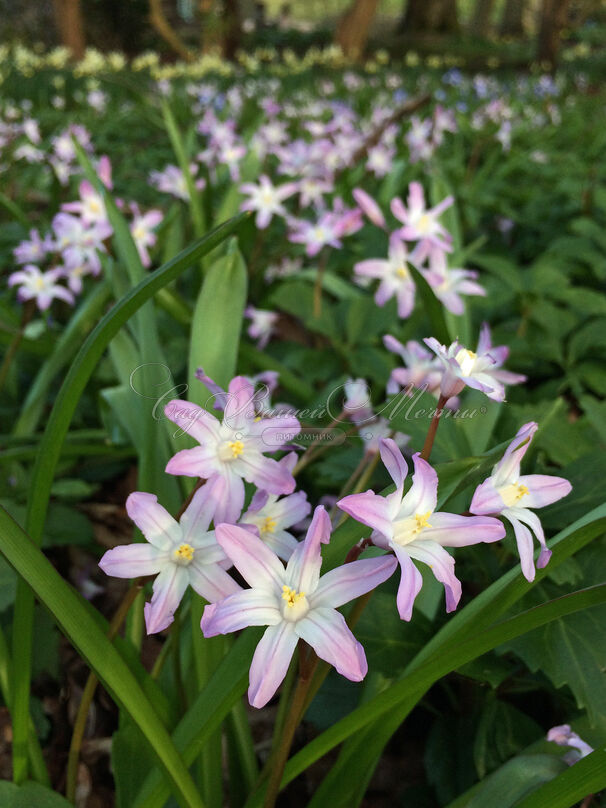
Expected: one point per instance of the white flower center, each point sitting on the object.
(295, 605)
(466, 360)
(407, 530)
(230, 450)
(183, 555)
(511, 494)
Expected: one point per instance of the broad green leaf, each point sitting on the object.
(101, 655)
(514, 780)
(217, 323)
(588, 776)
(432, 307)
(206, 714)
(183, 159)
(49, 451)
(29, 795)
(501, 732)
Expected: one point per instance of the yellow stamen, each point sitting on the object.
(513, 493)
(269, 525)
(184, 553)
(237, 447)
(402, 272)
(291, 596)
(422, 521)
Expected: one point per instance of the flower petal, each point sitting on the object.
(247, 607)
(370, 509)
(199, 513)
(229, 506)
(524, 542)
(543, 489)
(442, 565)
(331, 638)
(507, 470)
(196, 462)
(534, 523)
(252, 558)
(193, 420)
(169, 588)
(423, 495)
(453, 530)
(133, 560)
(270, 662)
(486, 499)
(154, 521)
(211, 581)
(351, 580)
(303, 569)
(266, 473)
(411, 582)
(393, 461)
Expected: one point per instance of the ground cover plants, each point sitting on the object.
(302, 441)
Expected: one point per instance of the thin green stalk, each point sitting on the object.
(36, 758)
(88, 695)
(243, 762)
(208, 653)
(278, 762)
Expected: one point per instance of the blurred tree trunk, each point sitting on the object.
(166, 31)
(511, 22)
(68, 16)
(233, 28)
(430, 16)
(354, 26)
(554, 17)
(480, 22)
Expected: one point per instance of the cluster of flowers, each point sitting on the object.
(77, 238)
(286, 592)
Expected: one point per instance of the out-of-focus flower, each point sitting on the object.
(409, 526)
(39, 286)
(421, 367)
(369, 207)
(394, 276)
(142, 231)
(564, 736)
(34, 250)
(510, 495)
(266, 199)
(262, 324)
(422, 223)
(480, 370)
(295, 603)
(449, 284)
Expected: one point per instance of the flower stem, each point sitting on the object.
(89, 692)
(433, 428)
(308, 663)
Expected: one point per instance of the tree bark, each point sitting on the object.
(430, 16)
(354, 27)
(511, 23)
(233, 28)
(554, 17)
(481, 20)
(68, 16)
(166, 31)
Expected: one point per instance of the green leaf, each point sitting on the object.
(88, 638)
(511, 782)
(206, 714)
(49, 452)
(29, 795)
(501, 732)
(587, 776)
(217, 323)
(176, 139)
(432, 307)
